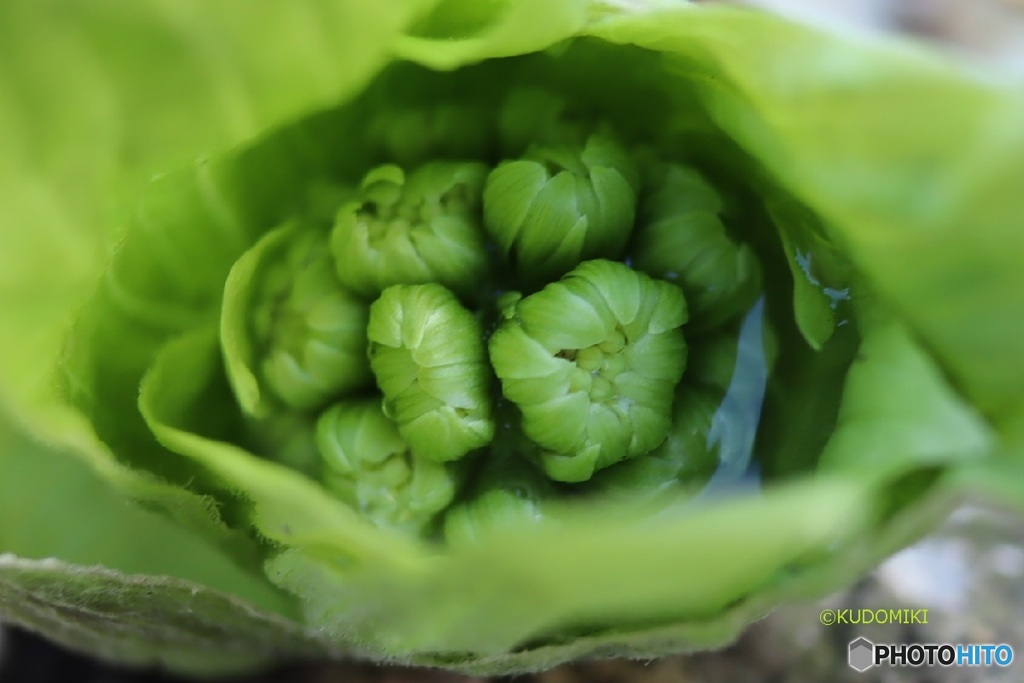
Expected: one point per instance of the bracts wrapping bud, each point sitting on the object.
(291, 332)
(561, 204)
(428, 355)
(413, 228)
(368, 464)
(682, 239)
(592, 362)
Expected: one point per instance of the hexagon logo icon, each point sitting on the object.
(862, 654)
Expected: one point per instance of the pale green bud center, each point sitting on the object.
(597, 367)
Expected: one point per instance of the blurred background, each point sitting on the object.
(969, 575)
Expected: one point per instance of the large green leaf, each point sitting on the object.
(82, 565)
(153, 85)
(97, 98)
(592, 571)
(913, 162)
(187, 382)
(147, 620)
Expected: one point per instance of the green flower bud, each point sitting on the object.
(592, 362)
(289, 328)
(683, 240)
(561, 204)
(427, 353)
(714, 419)
(368, 464)
(509, 493)
(683, 462)
(412, 229)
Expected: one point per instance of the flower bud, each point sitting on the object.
(412, 229)
(509, 493)
(683, 462)
(681, 238)
(368, 464)
(592, 362)
(714, 418)
(428, 355)
(561, 204)
(289, 329)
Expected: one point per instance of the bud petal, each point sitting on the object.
(427, 353)
(574, 358)
(412, 229)
(683, 240)
(561, 204)
(367, 464)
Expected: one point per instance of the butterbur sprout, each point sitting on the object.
(681, 238)
(289, 326)
(412, 228)
(368, 464)
(561, 204)
(592, 362)
(427, 353)
(487, 335)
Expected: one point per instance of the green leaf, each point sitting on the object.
(84, 566)
(185, 400)
(810, 258)
(154, 85)
(147, 620)
(43, 495)
(898, 412)
(912, 162)
(460, 32)
(615, 573)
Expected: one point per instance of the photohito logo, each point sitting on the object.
(864, 654)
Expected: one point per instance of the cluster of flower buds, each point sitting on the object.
(458, 341)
